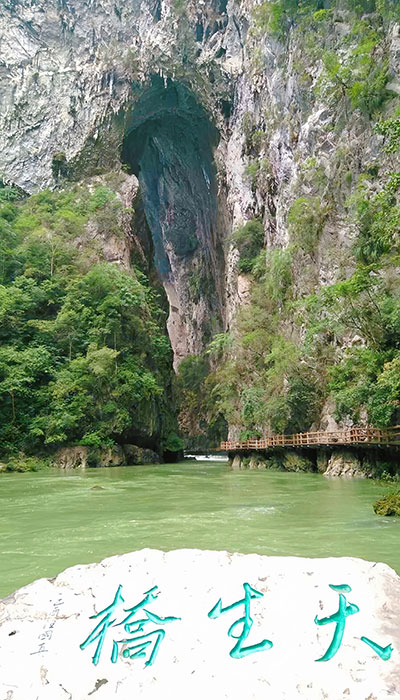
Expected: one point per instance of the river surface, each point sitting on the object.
(52, 520)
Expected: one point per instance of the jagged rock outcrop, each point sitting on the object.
(71, 457)
(345, 464)
(113, 236)
(237, 463)
(140, 455)
(116, 456)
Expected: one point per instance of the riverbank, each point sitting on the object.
(81, 456)
(371, 462)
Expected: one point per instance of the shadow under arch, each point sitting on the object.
(169, 146)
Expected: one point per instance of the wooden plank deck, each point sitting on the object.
(352, 436)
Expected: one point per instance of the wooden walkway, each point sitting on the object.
(352, 436)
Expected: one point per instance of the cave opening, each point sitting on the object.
(169, 146)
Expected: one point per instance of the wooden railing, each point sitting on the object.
(352, 436)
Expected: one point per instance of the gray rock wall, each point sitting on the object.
(72, 78)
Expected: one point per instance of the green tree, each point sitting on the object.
(84, 354)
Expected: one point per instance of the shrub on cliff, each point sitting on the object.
(249, 240)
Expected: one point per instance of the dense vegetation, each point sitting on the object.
(388, 504)
(278, 16)
(201, 421)
(292, 349)
(298, 342)
(84, 356)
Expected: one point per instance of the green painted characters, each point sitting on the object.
(339, 618)
(136, 643)
(144, 630)
(239, 651)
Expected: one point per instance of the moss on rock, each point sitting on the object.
(389, 504)
(22, 463)
(298, 463)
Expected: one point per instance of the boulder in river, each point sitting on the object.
(195, 624)
(389, 504)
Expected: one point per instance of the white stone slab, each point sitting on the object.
(43, 625)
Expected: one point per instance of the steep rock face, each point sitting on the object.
(193, 98)
(68, 67)
(77, 77)
(169, 145)
(111, 234)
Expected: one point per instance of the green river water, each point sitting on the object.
(52, 520)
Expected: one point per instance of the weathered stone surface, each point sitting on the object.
(344, 463)
(67, 69)
(43, 625)
(81, 456)
(140, 455)
(236, 462)
(116, 456)
(71, 457)
(109, 457)
(253, 464)
(245, 463)
(113, 237)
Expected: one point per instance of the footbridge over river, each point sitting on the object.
(351, 436)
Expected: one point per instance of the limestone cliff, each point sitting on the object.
(83, 84)
(222, 116)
